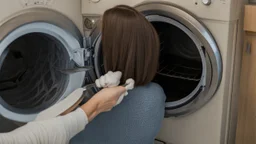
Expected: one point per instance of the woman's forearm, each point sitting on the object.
(56, 130)
(91, 108)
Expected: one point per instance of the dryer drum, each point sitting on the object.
(28, 75)
(183, 65)
(180, 65)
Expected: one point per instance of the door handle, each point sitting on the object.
(76, 70)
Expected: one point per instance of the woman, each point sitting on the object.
(130, 44)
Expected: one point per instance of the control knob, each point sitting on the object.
(206, 2)
(95, 1)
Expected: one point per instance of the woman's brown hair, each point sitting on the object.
(130, 44)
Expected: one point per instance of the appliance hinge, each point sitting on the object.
(87, 42)
(87, 54)
(77, 55)
(87, 48)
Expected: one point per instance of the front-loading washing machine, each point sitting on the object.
(38, 39)
(198, 67)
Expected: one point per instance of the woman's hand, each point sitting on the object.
(108, 97)
(112, 79)
(103, 101)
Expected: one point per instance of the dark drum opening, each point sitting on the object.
(180, 64)
(29, 79)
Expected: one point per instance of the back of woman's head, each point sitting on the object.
(130, 44)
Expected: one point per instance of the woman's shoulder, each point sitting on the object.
(151, 87)
(151, 90)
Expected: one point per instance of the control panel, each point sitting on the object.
(26, 3)
(224, 10)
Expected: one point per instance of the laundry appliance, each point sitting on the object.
(38, 39)
(198, 67)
